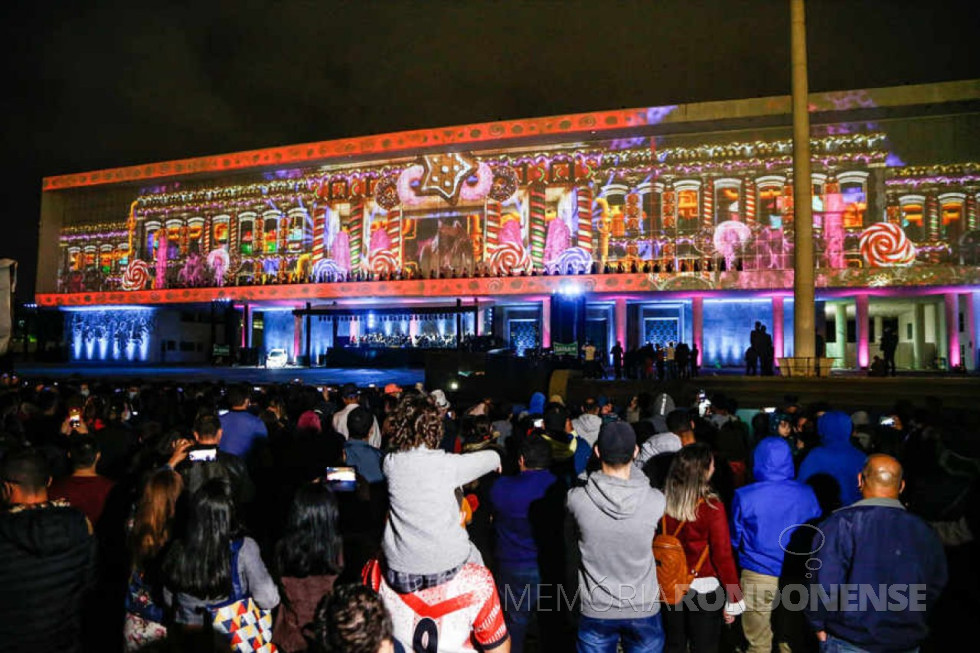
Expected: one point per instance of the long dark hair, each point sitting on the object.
(311, 545)
(199, 563)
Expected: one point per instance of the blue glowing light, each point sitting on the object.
(120, 334)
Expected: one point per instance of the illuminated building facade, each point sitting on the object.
(674, 223)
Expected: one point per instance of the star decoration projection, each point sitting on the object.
(444, 174)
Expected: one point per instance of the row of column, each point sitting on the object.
(947, 329)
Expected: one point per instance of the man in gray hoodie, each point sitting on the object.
(614, 518)
(587, 424)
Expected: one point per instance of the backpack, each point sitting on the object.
(673, 575)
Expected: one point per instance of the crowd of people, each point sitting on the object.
(401, 341)
(137, 515)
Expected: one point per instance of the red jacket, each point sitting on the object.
(710, 527)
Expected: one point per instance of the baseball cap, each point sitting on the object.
(617, 443)
(349, 390)
(392, 389)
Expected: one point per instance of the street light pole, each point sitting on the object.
(804, 324)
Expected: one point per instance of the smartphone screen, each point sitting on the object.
(342, 479)
(202, 455)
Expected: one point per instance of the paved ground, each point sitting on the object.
(315, 376)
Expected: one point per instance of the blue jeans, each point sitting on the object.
(519, 591)
(838, 645)
(644, 635)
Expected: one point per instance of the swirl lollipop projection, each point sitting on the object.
(885, 245)
(136, 275)
(218, 263)
(730, 237)
(509, 258)
(384, 262)
(574, 260)
(327, 270)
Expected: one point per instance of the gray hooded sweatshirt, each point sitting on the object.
(615, 521)
(587, 425)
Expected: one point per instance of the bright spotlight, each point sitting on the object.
(569, 289)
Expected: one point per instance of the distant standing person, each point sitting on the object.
(669, 356)
(751, 361)
(766, 353)
(695, 363)
(755, 337)
(682, 354)
(889, 343)
(617, 358)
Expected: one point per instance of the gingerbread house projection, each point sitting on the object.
(658, 209)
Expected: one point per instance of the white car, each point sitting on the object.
(276, 358)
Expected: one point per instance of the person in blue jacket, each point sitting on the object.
(879, 571)
(832, 468)
(765, 514)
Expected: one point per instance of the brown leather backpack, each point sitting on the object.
(673, 574)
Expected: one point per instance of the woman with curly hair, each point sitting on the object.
(697, 516)
(424, 542)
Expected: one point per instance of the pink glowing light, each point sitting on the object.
(861, 321)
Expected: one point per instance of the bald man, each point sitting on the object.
(882, 567)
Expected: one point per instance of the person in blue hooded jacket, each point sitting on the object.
(832, 468)
(764, 516)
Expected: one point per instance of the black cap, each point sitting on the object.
(555, 418)
(349, 390)
(617, 443)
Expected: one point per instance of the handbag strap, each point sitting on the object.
(236, 586)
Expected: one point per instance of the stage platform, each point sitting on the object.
(846, 392)
(190, 373)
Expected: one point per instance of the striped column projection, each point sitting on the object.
(708, 204)
(206, 236)
(932, 216)
(493, 228)
(748, 195)
(537, 223)
(283, 233)
(971, 212)
(319, 220)
(395, 234)
(355, 222)
(233, 233)
(583, 196)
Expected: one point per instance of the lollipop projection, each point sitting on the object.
(885, 245)
(218, 263)
(382, 259)
(510, 256)
(729, 239)
(136, 276)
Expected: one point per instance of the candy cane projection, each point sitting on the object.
(537, 223)
(583, 196)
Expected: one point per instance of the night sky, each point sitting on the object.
(96, 84)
